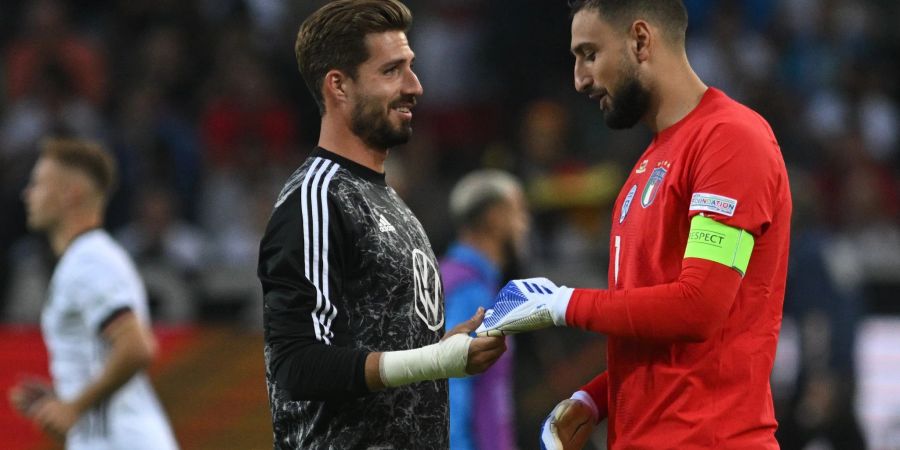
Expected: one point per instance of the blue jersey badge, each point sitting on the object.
(626, 205)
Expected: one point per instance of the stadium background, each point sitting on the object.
(203, 106)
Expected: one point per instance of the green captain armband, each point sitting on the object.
(717, 242)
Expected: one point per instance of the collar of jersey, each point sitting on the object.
(710, 95)
(354, 167)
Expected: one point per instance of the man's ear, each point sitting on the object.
(335, 85)
(642, 37)
(70, 190)
(83, 189)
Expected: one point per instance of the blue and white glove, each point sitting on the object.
(526, 305)
(570, 425)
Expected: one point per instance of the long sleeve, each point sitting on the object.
(309, 354)
(598, 389)
(689, 309)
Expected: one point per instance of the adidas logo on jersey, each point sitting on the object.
(384, 225)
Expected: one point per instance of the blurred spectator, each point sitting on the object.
(729, 56)
(569, 195)
(248, 114)
(159, 236)
(250, 135)
(31, 263)
(235, 207)
(825, 305)
(162, 146)
(48, 40)
(52, 106)
(459, 106)
(168, 252)
(54, 83)
(492, 222)
(167, 62)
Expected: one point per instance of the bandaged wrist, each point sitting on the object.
(446, 359)
(585, 398)
(560, 304)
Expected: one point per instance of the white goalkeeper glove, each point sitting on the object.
(570, 424)
(526, 305)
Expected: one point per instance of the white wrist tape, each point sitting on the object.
(560, 304)
(585, 398)
(446, 359)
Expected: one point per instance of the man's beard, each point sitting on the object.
(629, 105)
(370, 122)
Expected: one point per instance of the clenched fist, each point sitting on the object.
(568, 427)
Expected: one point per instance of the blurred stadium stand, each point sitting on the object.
(202, 104)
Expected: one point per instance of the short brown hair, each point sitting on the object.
(333, 37)
(671, 15)
(85, 156)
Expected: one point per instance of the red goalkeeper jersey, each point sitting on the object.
(721, 160)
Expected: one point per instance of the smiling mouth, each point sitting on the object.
(598, 96)
(404, 110)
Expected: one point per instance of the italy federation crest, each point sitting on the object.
(653, 185)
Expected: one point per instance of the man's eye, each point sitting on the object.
(589, 56)
(390, 71)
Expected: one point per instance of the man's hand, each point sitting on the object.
(483, 351)
(54, 416)
(568, 427)
(526, 305)
(26, 393)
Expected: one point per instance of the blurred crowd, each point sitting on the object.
(205, 111)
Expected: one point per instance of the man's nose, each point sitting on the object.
(583, 80)
(412, 85)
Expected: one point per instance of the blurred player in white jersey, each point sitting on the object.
(95, 322)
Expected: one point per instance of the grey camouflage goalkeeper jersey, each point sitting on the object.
(346, 269)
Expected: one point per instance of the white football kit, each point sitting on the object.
(94, 281)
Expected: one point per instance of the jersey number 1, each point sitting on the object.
(618, 244)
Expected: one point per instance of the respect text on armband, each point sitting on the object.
(707, 237)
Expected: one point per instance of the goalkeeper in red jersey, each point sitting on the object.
(698, 251)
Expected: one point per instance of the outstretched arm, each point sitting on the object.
(457, 355)
(690, 308)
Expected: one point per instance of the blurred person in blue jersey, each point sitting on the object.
(489, 211)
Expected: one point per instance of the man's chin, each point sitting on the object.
(401, 134)
(388, 142)
(35, 225)
(616, 122)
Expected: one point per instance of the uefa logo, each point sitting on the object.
(427, 285)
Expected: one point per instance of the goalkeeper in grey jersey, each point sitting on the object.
(355, 350)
